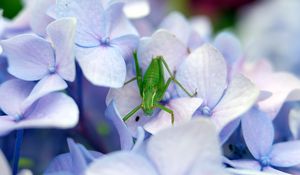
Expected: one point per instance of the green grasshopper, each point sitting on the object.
(152, 86)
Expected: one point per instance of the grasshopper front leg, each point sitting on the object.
(130, 114)
(166, 110)
(176, 81)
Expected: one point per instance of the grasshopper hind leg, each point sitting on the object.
(170, 111)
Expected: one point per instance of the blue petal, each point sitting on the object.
(258, 132)
(126, 138)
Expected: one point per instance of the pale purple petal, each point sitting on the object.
(124, 163)
(62, 32)
(74, 162)
(7, 125)
(29, 56)
(204, 71)
(162, 43)
(208, 168)
(274, 171)
(102, 66)
(294, 123)
(4, 166)
(122, 27)
(229, 46)
(126, 137)
(139, 143)
(183, 109)
(126, 45)
(175, 149)
(266, 79)
(239, 97)
(258, 132)
(178, 25)
(38, 18)
(54, 110)
(246, 172)
(89, 15)
(243, 164)
(227, 131)
(48, 84)
(285, 154)
(15, 91)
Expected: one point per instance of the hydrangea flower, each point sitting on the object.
(73, 163)
(52, 110)
(205, 70)
(33, 58)
(162, 43)
(258, 134)
(196, 152)
(104, 38)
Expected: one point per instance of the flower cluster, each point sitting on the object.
(181, 101)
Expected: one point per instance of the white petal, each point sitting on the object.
(174, 150)
(118, 163)
(4, 167)
(204, 71)
(102, 66)
(239, 97)
(183, 109)
(54, 110)
(15, 91)
(162, 43)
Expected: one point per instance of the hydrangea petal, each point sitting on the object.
(126, 45)
(246, 172)
(204, 71)
(38, 16)
(294, 122)
(89, 15)
(183, 109)
(178, 25)
(126, 138)
(102, 66)
(54, 110)
(171, 155)
(4, 167)
(285, 154)
(243, 164)
(205, 168)
(29, 56)
(262, 71)
(124, 163)
(229, 46)
(258, 132)
(16, 91)
(74, 162)
(48, 84)
(62, 32)
(274, 171)
(162, 43)
(7, 125)
(228, 130)
(239, 97)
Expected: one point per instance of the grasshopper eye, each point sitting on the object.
(137, 118)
